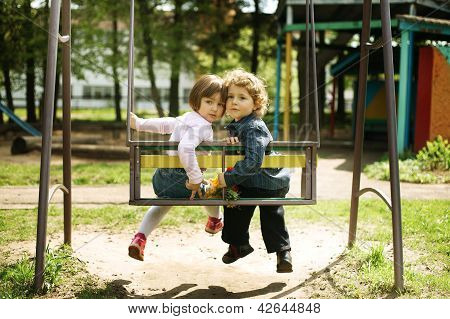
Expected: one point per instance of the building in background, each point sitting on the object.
(97, 91)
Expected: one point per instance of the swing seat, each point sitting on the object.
(215, 161)
(304, 158)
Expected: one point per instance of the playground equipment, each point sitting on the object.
(24, 125)
(139, 158)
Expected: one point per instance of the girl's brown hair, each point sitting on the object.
(253, 84)
(206, 86)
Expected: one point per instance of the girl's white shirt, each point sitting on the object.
(189, 129)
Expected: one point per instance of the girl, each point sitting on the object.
(190, 129)
(247, 103)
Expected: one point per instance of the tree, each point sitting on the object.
(115, 61)
(28, 36)
(102, 41)
(256, 31)
(180, 48)
(217, 31)
(11, 46)
(177, 38)
(146, 14)
(43, 19)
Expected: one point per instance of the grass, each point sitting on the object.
(95, 173)
(365, 271)
(64, 277)
(95, 114)
(87, 114)
(17, 279)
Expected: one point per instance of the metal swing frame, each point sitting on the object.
(310, 147)
(308, 175)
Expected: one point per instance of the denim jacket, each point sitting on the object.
(254, 136)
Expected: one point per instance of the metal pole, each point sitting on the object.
(287, 97)
(306, 93)
(277, 93)
(130, 97)
(67, 156)
(47, 127)
(392, 143)
(360, 114)
(314, 68)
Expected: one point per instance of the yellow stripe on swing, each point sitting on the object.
(215, 161)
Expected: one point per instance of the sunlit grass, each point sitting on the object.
(94, 173)
(366, 270)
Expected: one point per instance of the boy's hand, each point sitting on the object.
(221, 179)
(133, 120)
(232, 140)
(195, 188)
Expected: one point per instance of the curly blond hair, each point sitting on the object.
(255, 86)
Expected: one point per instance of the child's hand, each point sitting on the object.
(195, 188)
(232, 140)
(221, 179)
(133, 120)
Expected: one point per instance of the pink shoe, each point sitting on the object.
(137, 246)
(214, 225)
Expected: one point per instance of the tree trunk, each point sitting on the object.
(145, 16)
(1, 113)
(217, 25)
(256, 31)
(30, 65)
(215, 58)
(174, 106)
(115, 58)
(174, 101)
(44, 67)
(31, 101)
(42, 98)
(8, 87)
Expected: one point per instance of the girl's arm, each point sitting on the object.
(164, 125)
(255, 146)
(186, 152)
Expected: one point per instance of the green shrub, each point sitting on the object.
(435, 155)
(409, 171)
(431, 165)
(17, 280)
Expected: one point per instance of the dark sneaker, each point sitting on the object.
(137, 246)
(236, 252)
(284, 261)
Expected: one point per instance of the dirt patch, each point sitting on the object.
(186, 263)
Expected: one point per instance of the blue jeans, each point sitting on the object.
(171, 183)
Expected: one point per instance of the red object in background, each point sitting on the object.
(229, 169)
(423, 104)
